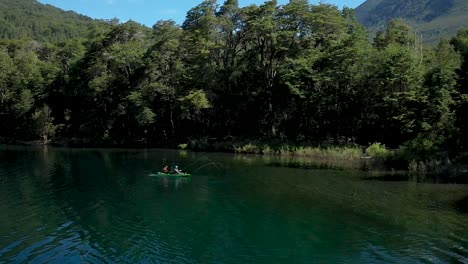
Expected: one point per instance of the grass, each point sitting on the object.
(341, 153)
(255, 147)
(375, 157)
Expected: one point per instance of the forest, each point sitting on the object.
(299, 74)
(20, 19)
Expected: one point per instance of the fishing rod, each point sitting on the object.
(217, 165)
(206, 165)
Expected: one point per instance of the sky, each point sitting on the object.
(148, 12)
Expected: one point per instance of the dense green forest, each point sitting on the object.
(20, 19)
(297, 73)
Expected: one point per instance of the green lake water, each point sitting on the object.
(101, 206)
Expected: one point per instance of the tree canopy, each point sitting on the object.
(297, 73)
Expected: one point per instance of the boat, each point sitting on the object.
(162, 174)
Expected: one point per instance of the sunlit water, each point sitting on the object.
(101, 206)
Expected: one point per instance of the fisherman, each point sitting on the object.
(177, 171)
(166, 168)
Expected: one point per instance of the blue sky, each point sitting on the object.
(148, 12)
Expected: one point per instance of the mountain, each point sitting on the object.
(432, 18)
(32, 19)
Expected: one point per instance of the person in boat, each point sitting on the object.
(166, 168)
(177, 171)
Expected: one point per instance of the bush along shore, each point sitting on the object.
(417, 165)
(376, 156)
(297, 73)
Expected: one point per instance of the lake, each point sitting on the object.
(63, 205)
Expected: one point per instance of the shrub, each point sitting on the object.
(183, 146)
(267, 150)
(420, 149)
(249, 149)
(198, 144)
(377, 150)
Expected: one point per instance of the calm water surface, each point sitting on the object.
(101, 206)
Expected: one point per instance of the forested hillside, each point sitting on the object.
(431, 18)
(298, 73)
(21, 19)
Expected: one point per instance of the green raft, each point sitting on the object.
(171, 174)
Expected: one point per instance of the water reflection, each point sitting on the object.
(304, 165)
(101, 206)
(304, 162)
(462, 205)
(172, 183)
(387, 177)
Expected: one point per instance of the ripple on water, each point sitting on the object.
(58, 211)
(463, 240)
(65, 244)
(449, 255)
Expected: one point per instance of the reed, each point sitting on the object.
(335, 153)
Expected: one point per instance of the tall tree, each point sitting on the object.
(264, 57)
(460, 43)
(112, 69)
(164, 74)
(201, 46)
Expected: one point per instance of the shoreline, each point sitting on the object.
(375, 158)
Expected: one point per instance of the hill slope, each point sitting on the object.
(31, 19)
(433, 18)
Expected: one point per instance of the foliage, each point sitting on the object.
(460, 44)
(30, 19)
(249, 149)
(377, 150)
(44, 126)
(432, 169)
(183, 146)
(281, 76)
(196, 100)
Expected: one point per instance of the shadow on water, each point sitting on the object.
(374, 171)
(171, 183)
(462, 205)
(420, 178)
(304, 165)
(328, 164)
(444, 178)
(400, 177)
